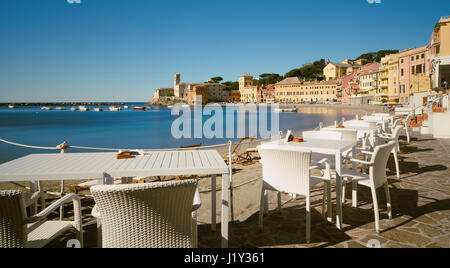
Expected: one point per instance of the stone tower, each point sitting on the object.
(176, 85)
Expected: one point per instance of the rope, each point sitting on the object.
(65, 146)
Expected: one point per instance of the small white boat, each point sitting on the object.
(170, 106)
(84, 108)
(60, 108)
(98, 110)
(11, 106)
(289, 110)
(185, 106)
(126, 107)
(115, 108)
(46, 108)
(74, 109)
(139, 108)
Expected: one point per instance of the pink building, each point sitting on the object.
(266, 93)
(350, 83)
(411, 62)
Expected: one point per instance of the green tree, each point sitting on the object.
(217, 79)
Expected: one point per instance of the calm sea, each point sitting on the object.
(124, 129)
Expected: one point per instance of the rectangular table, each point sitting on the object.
(104, 166)
(327, 147)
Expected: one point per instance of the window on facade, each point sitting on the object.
(423, 56)
(417, 57)
(418, 69)
(403, 72)
(412, 58)
(413, 70)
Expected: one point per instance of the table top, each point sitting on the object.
(314, 145)
(81, 166)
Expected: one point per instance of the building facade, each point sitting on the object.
(181, 89)
(233, 96)
(266, 94)
(249, 92)
(368, 79)
(162, 92)
(335, 70)
(292, 90)
(216, 92)
(412, 63)
(198, 94)
(439, 51)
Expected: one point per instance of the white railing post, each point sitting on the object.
(230, 167)
(63, 147)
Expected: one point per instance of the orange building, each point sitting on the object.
(233, 96)
(197, 93)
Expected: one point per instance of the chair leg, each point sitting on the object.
(42, 203)
(388, 200)
(396, 163)
(407, 135)
(323, 199)
(344, 188)
(279, 202)
(330, 207)
(266, 202)
(194, 230)
(355, 194)
(261, 208)
(308, 220)
(375, 209)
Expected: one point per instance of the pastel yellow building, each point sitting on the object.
(439, 51)
(292, 90)
(388, 81)
(335, 70)
(249, 92)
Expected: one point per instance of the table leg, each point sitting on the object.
(338, 191)
(354, 165)
(225, 205)
(213, 203)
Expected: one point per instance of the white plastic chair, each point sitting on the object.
(19, 231)
(394, 137)
(375, 179)
(151, 215)
(289, 172)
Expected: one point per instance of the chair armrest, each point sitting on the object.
(367, 152)
(320, 164)
(386, 136)
(362, 162)
(197, 201)
(66, 199)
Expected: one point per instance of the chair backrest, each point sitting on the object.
(322, 135)
(153, 215)
(243, 145)
(13, 231)
(286, 171)
(347, 134)
(396, 132)
(380, 159)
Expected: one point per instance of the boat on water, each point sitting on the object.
(60, 108)
(170, 106)
(126, 107)
(84, 108)
(46, 108)
(115, 108)
(185, 106)
(98, 110)
(11, 106)
(139, 108)
(288, 110)
(74, 109)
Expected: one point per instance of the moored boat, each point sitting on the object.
(84, 108)
(139, 108)
(11, 106)
(98, 110)
(46, 108)
(126, 107)
(289, 110)
(74, 109)
(60, 108)
(114, 108)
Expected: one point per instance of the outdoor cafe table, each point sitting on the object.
(104, 166)
(327, 147)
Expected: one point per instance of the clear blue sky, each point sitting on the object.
(122, 50)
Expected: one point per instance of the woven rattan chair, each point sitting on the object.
(151, 215)
(19, 231)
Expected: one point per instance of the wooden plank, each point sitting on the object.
(197, 161)
(182, 160)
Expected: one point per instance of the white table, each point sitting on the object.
(105, 166)
(327, 147)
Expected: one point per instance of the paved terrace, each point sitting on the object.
(421, 209)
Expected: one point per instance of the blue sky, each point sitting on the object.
(122, 50)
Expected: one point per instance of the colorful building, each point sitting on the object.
(198, 94)
(368, 79)
(349, 87)
(335, 70)
(266, 94)
(412, 63)
(233, 96)
(292, 90)
(439, 51)
(249, 92)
